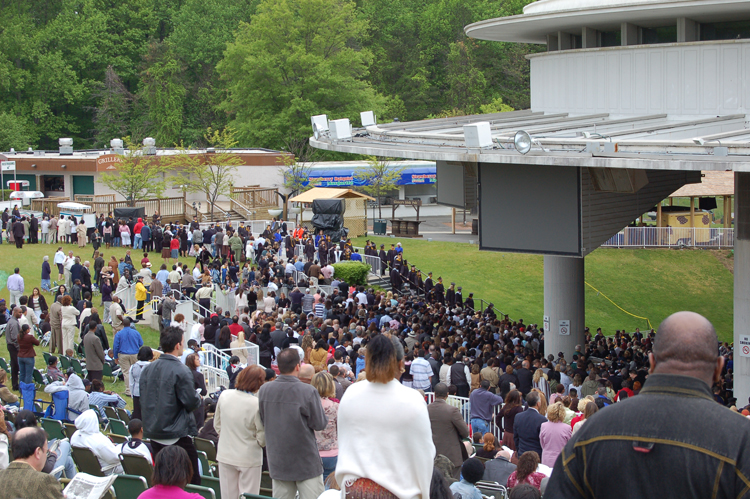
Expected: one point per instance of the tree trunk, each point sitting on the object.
(380, 210)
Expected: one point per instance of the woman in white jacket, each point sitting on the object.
(367, 436)
(69, 314)
(89, 436)
(241, 435)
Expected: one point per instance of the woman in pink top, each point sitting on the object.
(172, 471)
(554, 434)
(526, 471)
(328, 441)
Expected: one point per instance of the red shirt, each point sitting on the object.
(235, 329)
(575, 420)
(174, 244)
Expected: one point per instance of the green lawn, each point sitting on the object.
(29, 261)
(649, 283)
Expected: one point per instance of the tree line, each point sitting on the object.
(172, 69)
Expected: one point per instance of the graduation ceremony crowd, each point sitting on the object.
(410, 393)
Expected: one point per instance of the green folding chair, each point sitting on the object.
(38, 379)
(110, 412)
(107, 371)
(130, 486)
(118, 427)
(65, 363)
(117, 439)
(137, 466)
(212, 483)
(76, 365)
(122, 415)
(46, 356)
(69, 430)
(54, 428)
(266, 484)
(4, 365)
(87, 462)
(204, 464)
(206, 446)
(204, 492)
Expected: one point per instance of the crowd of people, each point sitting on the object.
(338, 398)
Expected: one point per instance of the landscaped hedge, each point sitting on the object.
(352, 273)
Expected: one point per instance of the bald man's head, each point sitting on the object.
(686, 343)
(306, 372)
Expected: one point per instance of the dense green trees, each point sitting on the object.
(99, 69)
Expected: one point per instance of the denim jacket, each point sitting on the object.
(671, 440)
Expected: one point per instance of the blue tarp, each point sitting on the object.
(345, 177)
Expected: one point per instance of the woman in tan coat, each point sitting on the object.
(81, 233)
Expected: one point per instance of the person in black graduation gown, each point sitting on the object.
(383, 259)
(459, 297)
(395, 279)
(450, 295)
(440, 291)
(428, 285)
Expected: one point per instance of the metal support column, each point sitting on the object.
(564, 305)
(741, 285)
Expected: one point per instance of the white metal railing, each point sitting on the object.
(220, 358)
(672, 237)
(463, 405)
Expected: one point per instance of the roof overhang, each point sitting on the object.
(654, 142)
(571, 16)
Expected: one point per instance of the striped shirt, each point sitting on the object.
(421, 370)
(320, 310)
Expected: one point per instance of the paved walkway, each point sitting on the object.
(439, 229)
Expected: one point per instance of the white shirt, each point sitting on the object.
(140, 450)
(45, 226)
(59, 257)
(367, 438)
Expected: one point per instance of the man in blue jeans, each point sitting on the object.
(482, 403)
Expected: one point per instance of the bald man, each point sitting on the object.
(306, 373)
(672, 439)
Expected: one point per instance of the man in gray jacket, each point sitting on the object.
(291, 412)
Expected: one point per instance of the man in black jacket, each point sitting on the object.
(673, 438)
(525, 378)
(167, 399)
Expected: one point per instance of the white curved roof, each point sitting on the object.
(549, 16)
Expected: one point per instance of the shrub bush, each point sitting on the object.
(353, 273)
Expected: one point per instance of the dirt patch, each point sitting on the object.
(726, 257)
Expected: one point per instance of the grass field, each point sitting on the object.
(29, 261)
(649, 283)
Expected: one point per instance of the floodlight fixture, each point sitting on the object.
(368, 118)
(340, 129)
(322, 121)
(522, 141)
(700, 141)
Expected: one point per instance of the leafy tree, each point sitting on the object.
(138, 176)
(380, 176)
(14, 132)
(112, 114)
(295, 59)
(164, 94)
(295, 172)
(211, 173)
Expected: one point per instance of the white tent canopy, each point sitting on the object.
(26, 195)
(71, 206)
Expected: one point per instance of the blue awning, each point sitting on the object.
(345, 177)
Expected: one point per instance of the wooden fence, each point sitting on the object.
(170, 209)
(255, 197)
